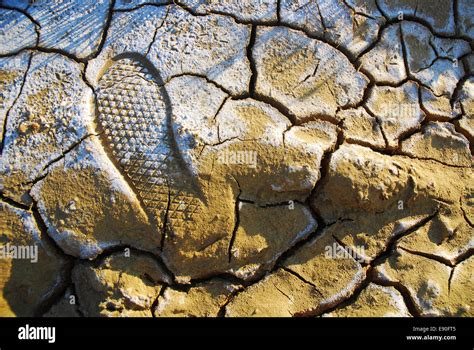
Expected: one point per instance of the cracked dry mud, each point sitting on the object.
(237, 158)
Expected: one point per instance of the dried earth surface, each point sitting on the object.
(237, 158)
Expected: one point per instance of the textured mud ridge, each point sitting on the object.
(229, 158)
